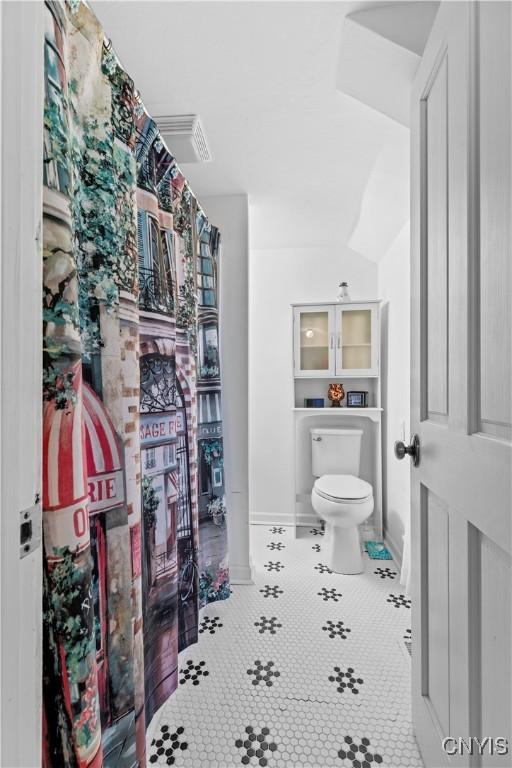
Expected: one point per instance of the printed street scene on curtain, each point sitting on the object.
(133, 475)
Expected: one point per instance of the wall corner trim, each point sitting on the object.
(395, 551)
(241, 574)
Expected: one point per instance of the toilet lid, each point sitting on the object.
(343, 487)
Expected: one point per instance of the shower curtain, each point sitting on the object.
(133, 475)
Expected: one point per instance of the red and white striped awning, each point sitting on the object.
(82, 468)
(104, 460)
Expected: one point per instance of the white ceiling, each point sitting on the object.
(262, 77)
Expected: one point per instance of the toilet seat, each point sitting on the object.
(343, 489)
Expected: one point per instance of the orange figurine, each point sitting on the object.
(336, 393)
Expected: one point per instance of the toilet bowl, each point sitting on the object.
(343, 502)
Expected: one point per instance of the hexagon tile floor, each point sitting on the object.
(304, 668)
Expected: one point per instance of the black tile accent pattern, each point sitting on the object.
(346, 681)
(256, 745)
(276, 545)
(274, 566)
(329, 594)
(385, 573)
(317, 531)
(168, 744)
(277, 529)
(210, 625)
(193, 672)
(321, 568)
(399, 601)
(316, 547)
(337, 629)
(267, 625)
(263, 673)
(408, 641)
(359, 754)
(269, 591)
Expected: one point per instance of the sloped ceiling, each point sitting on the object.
(262, 76)
(384, 206)
(406, 24)
(379, 53)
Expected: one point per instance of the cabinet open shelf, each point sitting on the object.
(339, 411)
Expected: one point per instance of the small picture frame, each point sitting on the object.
(357, 399)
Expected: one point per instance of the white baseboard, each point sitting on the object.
(271, 518)
(268, 518)
(395, 551)
(304, 519)
(241, 574)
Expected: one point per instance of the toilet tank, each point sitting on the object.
(335, 451)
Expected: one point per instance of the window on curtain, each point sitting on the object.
(204, 473)
(205, 278)
(169, 455)
(158, 266)
(150, 458)
(208, 351)
(55, 172)
(168, 258)
(154, 250)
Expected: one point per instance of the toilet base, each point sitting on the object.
(343, 547)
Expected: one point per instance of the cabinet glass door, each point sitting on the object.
(357, 345)
(314, 341)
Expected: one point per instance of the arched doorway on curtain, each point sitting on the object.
(169, 572)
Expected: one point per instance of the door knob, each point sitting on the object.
(413, 450)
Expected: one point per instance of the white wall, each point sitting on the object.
(277, 278)
(230, 214)
(394, 290)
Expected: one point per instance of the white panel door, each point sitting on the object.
(461, 383)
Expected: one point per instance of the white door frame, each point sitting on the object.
(21, 154)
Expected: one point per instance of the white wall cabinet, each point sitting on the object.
(336, 340)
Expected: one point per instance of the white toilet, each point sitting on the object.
(341, 498)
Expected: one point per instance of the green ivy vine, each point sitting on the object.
(150, 502)
(213, 449)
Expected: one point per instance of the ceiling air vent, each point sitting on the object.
(184, 137)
